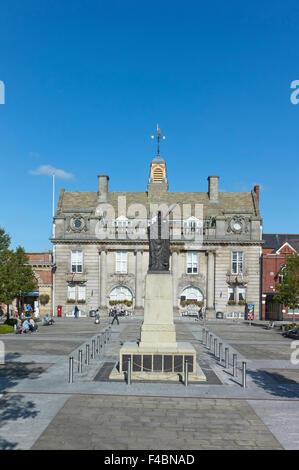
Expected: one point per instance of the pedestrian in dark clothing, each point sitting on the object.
(115, 317)
(76, 313)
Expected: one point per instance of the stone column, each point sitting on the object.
(103, 280)
(174, 266)
(138, 280)
(210, 309)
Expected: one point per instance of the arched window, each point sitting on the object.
(192, 293)
(121, 293)
(280, 273)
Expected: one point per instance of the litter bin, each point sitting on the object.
(92, 313)
(219, 315)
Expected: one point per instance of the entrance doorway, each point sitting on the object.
(273, 309)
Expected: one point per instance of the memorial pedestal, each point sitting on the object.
(158, 356)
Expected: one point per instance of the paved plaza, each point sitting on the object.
(40, 409)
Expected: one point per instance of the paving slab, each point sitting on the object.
(116, 427)
(136, 415)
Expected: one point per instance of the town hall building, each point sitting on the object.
(101, 247)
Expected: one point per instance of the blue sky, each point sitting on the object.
(87, 81)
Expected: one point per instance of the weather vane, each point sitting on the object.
(158, 137)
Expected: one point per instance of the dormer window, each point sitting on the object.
(192, 225)
(122, 221)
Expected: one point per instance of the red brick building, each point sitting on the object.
(276, 248)
(42, 264)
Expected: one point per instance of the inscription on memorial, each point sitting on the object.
(136, 363)
(157, 363)
(147, 363)
(125, 358)
(190, 362)
(167, 365)
(178, 363)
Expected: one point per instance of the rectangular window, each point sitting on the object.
(77, 261)
(192, 262)
(231, 293)
(71, 291)
(237, 262)
(241, 293)
(121, 262)
(81, 293)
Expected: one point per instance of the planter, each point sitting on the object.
(185, 303)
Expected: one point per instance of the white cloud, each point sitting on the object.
(50, 171)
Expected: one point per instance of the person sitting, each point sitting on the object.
(26, 326)
(19, 328)
(48, 321)
(32, 326)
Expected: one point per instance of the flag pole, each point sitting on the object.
(53, 235)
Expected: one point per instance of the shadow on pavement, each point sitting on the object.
(275, 384)
(13, 408)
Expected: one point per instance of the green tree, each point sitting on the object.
(289, 287)
(5, 255)
(16, 275)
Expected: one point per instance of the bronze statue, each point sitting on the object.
(159, 250)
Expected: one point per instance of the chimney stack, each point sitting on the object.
(213, 188)
(103, 188)
(256, 189)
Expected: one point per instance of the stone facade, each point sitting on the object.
(215, 243)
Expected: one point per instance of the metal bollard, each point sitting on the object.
(71, 369)
(109, 332)
(207, 338)
(80, 361)
(215, 347)
(98, 345)
(186, 373)
(93, 350)
(243, 374)
(129, 372)
(220, 353)
(235, 365)
(210, 341)
(226, 358)
(87, 355)
(203, 335)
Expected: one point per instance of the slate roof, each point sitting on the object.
(227, 202)
(276, 240)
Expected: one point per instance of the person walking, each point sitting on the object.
(115, 316)
(76, 313)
